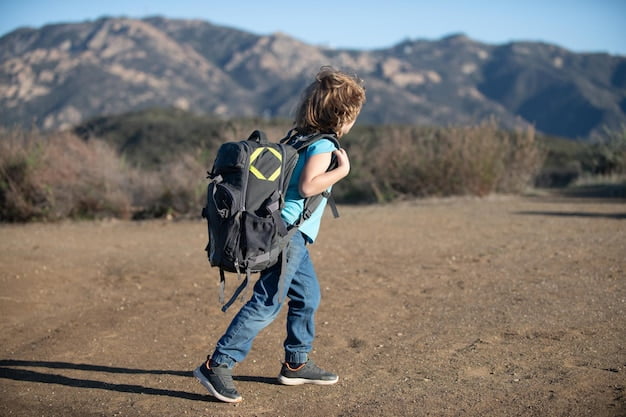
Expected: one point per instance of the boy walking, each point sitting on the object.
(330, 104)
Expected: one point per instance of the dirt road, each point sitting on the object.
(504, 306)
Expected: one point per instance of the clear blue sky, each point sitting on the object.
(578, 25)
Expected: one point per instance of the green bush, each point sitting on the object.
(608, 153)
(151, 138)
(567, 161)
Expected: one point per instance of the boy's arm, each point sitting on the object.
(315, 178)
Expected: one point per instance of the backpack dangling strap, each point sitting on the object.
(281, 293)
(331, 203)
(238, 291)
(281, 280)
(222, 285)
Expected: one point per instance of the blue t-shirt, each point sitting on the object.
(294, 202)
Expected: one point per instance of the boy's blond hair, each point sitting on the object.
(331, 101)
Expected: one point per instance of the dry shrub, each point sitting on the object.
(523, 160)
(58, 176)
(176, 189)
(22, 197)
(88, 178)
(477, 160)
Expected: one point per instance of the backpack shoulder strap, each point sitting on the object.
(301, 143)
(312, 203)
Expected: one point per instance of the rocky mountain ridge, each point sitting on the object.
(60, 75)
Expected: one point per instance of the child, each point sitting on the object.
(330, 104)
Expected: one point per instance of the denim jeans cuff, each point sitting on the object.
(223, 359)
(296, 357)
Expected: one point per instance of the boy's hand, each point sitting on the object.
(316, 178)
(343, 162)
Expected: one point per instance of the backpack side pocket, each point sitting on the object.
(257, 240)
(223, 214)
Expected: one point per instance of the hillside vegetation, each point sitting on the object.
(152, 164)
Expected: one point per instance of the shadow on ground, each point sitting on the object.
(8, 371)
(616, 216)
(601, 191)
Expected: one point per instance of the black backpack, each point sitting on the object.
(245, 196)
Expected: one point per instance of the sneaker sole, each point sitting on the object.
(301, 381)
(206, 384)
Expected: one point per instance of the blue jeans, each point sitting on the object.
(303, 290)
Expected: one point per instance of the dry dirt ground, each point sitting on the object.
(504, 306)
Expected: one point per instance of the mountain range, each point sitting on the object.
(60, 75)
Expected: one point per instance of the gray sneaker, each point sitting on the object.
(308, 373)
(219, 381)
